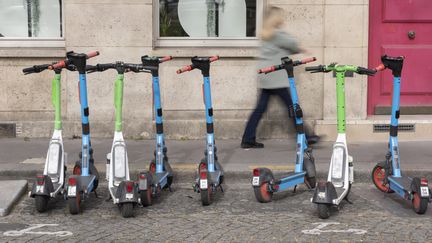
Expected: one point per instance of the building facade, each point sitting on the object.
(342, 31)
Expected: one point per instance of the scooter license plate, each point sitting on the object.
(129, 196)
(255, 181)
(39, 189)
(203, 184)
(72, 191)
(424, 191)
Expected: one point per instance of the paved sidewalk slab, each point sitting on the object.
(10, 192)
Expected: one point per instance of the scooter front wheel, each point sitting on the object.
(74, 204)
(262, 193)
(323, 211)
(146, 197)
(41, 203)
(127, 209)
(419, 204)
(378, 178)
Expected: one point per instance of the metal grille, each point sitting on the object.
(386, 128)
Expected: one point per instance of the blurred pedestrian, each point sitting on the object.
(275, 44)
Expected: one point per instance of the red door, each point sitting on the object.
(401, 28)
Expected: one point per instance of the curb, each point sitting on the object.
(16, 195)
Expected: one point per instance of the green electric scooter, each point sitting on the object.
(341, 172)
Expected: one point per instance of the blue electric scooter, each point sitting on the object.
(387, 175)
(210, 173)
(160, 174)
(85, 177)
(263, 181)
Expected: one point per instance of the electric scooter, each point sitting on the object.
(85, 177)
(123, 191)
(51, 182)
(210, 174)
(386, 175)
(341, 172)
(263, 181)
(160, 174)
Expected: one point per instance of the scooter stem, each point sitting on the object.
(118, 101)
(56, 100)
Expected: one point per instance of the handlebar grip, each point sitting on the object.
(314, 69)
(184, 69)
(380, 67)
(166, 58)
(367, 71)
(267, 70)
(307, 60)
(28, 70)
(60, 64)
(214, 58)
(92, 54)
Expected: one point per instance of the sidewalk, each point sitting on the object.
(23, 159)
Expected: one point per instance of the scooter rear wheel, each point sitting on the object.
(146, 196)
(127, 209)
(378, 177)
(419, 204)
(323, 211)
(41, 203)
(206, 197)
(74, 204)
(262, 194)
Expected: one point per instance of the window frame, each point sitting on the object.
(206, 41)
(37, 42)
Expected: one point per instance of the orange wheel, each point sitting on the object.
(378, 177)
(419, 204)
(77, 169)
(262, 194)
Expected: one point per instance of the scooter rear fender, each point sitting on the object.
(325, 192)
(46, 190)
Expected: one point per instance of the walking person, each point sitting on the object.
(275, 45)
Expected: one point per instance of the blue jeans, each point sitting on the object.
(250, 130)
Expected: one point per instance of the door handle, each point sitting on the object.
(411, 34)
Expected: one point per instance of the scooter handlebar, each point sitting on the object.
(213, 58)
(185, 69)
(380, 67)
(64, 63)
(165, 58)
(367, 71)
(315, 69)
(308, 60)
(35, 69)
(270, 69)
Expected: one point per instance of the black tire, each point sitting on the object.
(41, 203)
(127, 209)
(311, 181)
(419, 204)
(323, 211)
(206, 197)
(146, 197)
(262, 194)
(74, 204)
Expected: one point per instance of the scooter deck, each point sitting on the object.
(400, 184)
(86, 181)
(290, 180)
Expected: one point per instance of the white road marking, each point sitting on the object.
(36, 161)
(319, 229)
(37, 226)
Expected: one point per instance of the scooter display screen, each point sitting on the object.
(119, 162)
(54, 154)
(338, 163)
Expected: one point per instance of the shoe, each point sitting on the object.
(312, 139)
(252, 144)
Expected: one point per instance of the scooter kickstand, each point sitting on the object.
(109, 198)
(170, 189)
(348, 201)
(221, 188)
(96, 195)
(295, 188)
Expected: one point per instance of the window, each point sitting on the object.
(207, 22)
(31, 18)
